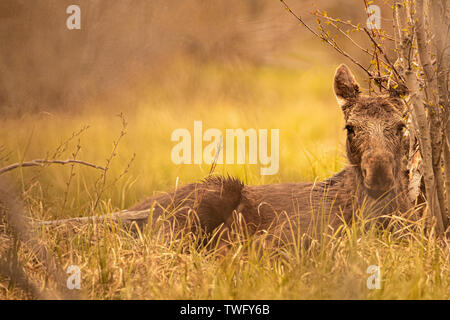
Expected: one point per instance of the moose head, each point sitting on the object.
(376, 141)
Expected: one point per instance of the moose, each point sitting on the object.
(374, 183)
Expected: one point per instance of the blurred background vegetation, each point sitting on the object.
(163, 64)
(125, 46)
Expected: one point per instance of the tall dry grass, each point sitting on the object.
(120, 265)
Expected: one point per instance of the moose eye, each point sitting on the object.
(401, 129)
(350, 129)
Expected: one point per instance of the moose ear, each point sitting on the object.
(345, 86)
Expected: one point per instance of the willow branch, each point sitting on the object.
(384, 55)
(42, 162)
(125, 216)
(326, 39)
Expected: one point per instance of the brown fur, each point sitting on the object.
(374, 183)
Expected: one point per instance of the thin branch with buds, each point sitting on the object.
(332, 43)
(42, 162)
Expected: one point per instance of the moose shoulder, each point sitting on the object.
(374, 179)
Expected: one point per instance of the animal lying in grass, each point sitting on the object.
(375, 181)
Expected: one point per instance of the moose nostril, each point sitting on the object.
(364, 172)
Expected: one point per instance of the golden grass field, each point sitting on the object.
(116, 265)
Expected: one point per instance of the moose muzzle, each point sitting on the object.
(377, 171)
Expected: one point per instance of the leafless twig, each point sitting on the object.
(332, 43)
(41, 162)
(102, 178)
